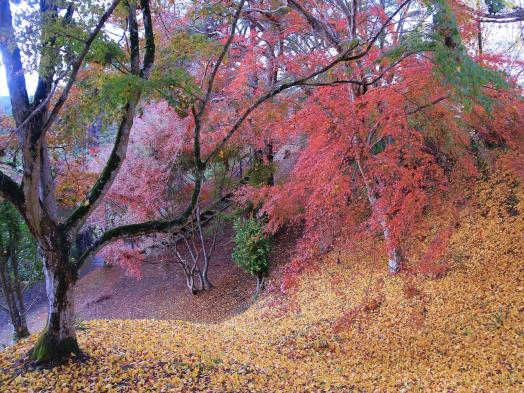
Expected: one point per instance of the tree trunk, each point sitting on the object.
(268, 151)
(394, 260)
(16, 314)
(12, 293)
(58, 339)
(394, 254)
(190, 280)
(205, 280)
(21, 331)
(260, 285)
(206, 284)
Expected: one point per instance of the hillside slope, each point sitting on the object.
(348, 325)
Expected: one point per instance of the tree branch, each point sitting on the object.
(76, 67)
(118, 154)
(220, 59)
(422, 107)
(48, 61)
(517, 15)
(11, 191)
(363, 82)
(149, 56)
(343, 57)
(144, 228)
(13, 64)
(318, 25)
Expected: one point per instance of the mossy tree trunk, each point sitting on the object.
(58, 340)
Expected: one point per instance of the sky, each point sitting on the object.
(31, 81)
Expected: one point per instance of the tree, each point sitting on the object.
(19, 266)
(251, 250)
(218, 113)
(198, 251)
(388, 138)
(34, 197)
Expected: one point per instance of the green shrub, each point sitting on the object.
(251, 250)
(14, 229)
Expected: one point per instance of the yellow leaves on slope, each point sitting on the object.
(463, 332)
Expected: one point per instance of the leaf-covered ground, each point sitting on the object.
(347, 326)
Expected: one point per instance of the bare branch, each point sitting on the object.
(317, 25)
(221, 58)
(432, 103)
(11, 191)
(343, 57)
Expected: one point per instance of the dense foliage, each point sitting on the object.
(251, 250)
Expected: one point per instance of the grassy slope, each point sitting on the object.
(463, 332)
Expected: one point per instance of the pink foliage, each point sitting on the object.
(140, 191)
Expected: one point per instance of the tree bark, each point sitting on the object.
(11, 290)
(58, 339)
(21, 329)
(206, 284)
(260, 285)
(394, 255)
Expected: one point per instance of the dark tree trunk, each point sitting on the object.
(479, 38)
(14, 298)
(21, 329)
(268, 150)
(58, 339)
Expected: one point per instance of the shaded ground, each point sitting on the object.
(161, 293)
(108, 293)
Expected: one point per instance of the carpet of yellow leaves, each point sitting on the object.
(348, 326)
